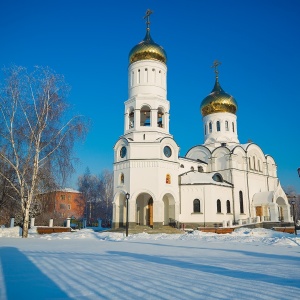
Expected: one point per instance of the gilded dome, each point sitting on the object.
(147, 49)
(218, 101)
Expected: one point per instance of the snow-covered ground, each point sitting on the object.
(247, 264)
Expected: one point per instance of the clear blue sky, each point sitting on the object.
(88, 41)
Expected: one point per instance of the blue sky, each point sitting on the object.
(88, 41)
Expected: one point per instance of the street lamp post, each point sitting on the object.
(127, 198)
(294, 215)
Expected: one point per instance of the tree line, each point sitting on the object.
(37, 136)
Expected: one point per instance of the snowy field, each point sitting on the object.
(247, 264)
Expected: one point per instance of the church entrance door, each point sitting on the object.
(259, 211)
(150, 212)
(144, 210)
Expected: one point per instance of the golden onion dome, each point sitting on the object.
(218, 101)
(147, 49)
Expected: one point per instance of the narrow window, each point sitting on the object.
(154, 75)
(131, 80)
(249, 161)
(144, 136)
(69, 206)
(232, 126)
(241, 202)
(219, 206)
(122, 178)
(218, 126)
(200, 169)
(228, 206)
(63, 197)
(226, 126)
(210, 127)
(139, 76)
(205, 129)
(168, 179)
(254, 167)
(196, 206)
(146, 74)
(259, 166)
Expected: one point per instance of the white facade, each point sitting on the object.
(219, 182)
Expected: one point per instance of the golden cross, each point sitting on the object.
(147, 16)
(215, 66)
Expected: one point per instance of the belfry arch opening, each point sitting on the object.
(160, 118)
(145, 116)
(131, 118)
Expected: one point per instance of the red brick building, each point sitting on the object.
(66, 202)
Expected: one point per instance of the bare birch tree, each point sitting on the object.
(36, 133)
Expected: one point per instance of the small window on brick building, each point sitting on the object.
(62, 197)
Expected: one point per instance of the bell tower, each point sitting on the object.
(146, 156)
(147, 109)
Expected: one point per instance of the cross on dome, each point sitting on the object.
(215, 65)
(147, 17)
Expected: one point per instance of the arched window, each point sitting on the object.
(210, 127)
(200, 169)
(122, 178)
(196, 206)
(145, 116)
(160, 118)
(226, 126)
(146, 75)
(205, 129)
(228, 206)
(249, 160)
(131, 118)
(259, 166)
(139, 77)
(241, 202)
(217, 177)
(218, 126)
(168, 179)
(232, 126)
(192, 168)
(219, 206)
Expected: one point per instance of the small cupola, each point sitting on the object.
(147, 49)
(218, 100)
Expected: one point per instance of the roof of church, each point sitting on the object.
(194, 177)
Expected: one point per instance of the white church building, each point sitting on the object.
(219, 183)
